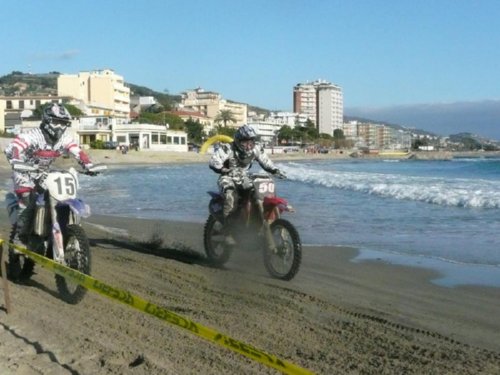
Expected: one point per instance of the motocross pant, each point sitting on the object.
(231, 197)
(23, 187)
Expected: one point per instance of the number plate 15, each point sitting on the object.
(61, 186)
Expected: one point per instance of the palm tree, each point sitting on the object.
(225, 116)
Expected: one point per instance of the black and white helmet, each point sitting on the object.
(244, 140)
(55, 120)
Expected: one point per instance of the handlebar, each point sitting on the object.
(27, 167)
(94, 170)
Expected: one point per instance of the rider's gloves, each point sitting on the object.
(278, 173)
(88, 169)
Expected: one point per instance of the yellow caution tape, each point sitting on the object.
(215, 138)
(161, 313)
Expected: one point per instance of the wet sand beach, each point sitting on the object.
(335, 317)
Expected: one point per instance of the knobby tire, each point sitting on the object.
(215, 258)
(79, 261)
(296, 251)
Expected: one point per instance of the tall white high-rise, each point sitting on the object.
(322, 102)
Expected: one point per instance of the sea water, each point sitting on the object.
(438, 214)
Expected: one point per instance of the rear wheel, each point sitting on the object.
(283, 261)
(20, 267)
(217, 251)
(77, 257)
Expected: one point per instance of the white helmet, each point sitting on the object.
(55, 120)
(244, 140)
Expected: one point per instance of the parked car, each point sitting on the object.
(193, 147)
(110, 145)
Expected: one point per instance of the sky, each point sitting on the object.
(383, 53)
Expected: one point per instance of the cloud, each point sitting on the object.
(65, 55)
(482, 117)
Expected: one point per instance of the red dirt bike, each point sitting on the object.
(257, 223)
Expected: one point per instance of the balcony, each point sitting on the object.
(95, 127)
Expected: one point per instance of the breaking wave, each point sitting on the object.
(435, 190)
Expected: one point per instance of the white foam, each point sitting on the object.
(440, 191)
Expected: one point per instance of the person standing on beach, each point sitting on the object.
(230, 160)
(41, 146)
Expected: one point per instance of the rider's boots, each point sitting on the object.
(230, 199)
(228, 237)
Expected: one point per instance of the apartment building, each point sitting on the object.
(267, 127)
(322, 102)
(98, 93)
(14, 108)
(377, 136)
(304, 100)
(205, 121)
(210, 104)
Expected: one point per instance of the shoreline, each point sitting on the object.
(448, 274)
(113, 157)
(142, 157)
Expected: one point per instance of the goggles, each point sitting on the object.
(60, 123)
(247, 144)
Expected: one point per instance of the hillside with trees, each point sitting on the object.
(19, 83)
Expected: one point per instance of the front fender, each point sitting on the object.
(77, 206)
(282, 204)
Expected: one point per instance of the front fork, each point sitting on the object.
(57, 237)
(266, 227)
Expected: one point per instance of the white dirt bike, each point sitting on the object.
(52, 226)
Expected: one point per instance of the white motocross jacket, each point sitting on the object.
(225, 157)
(31, 147)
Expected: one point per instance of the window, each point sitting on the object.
(121, 139)
(163, 139)
(169, 140)
(9, 104)
(154, 138)
(21, 104)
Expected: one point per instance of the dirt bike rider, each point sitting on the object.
(41, 146)
(230, 160)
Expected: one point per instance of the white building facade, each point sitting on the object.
(97, 93)
(321, 102)
(14, 108)
(210, 104)
(267, 127)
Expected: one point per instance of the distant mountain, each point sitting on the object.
(19, 83)
(481, 117)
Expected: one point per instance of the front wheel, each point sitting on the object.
(283, 261)
(217, 251)
(77, 257)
